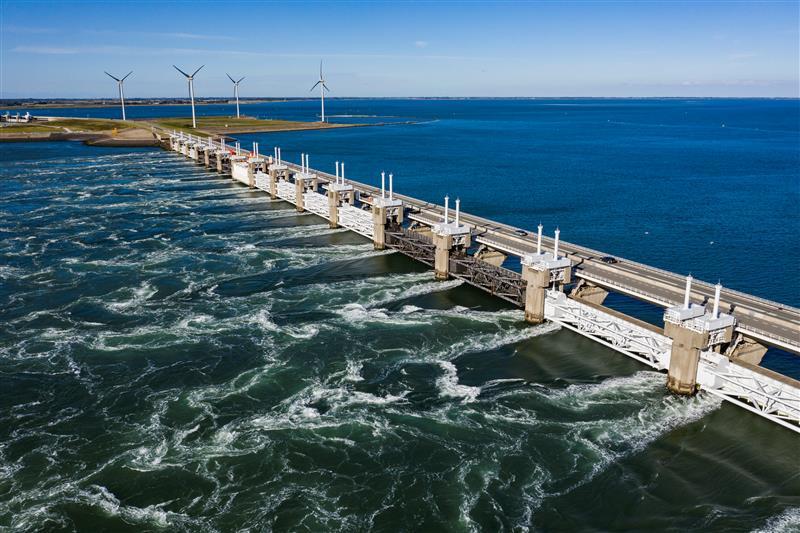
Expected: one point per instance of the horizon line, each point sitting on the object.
(430, 97)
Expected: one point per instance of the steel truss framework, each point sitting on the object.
(634, 341)
(498, 281)
(755, 389)
(413, 245)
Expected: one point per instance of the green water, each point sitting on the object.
(178, 353)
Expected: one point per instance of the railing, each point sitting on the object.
(317, 203)
(287, 191)
(357, 220)
(262, 181)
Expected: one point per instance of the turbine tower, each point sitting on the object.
(322, 89)
(236, 91)
(190, 79)
(121, 92)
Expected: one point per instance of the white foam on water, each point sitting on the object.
(353, 372)
(150, 457)
(263, 319)
(152, 515)
(9, 272)
(449, 386)
(598, 442)
(518, 331)
(611, 390)
(593, 443)
(786, 522)
(358, 315)
(487, 472)
(303, 257)
(298, 411)
(138, 296)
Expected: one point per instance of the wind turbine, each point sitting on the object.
(236, 91)
(190, 78)
(121, 92)
(322, 89)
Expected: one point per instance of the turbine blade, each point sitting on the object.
(240, 79)
(320, 69)
(182, 72)
(229, 77)
(112, 77)
(325, 87)
(126, 75)
(198, 70)
(315, 86)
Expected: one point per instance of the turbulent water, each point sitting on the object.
(178, 353)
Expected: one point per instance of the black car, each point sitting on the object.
(609, 260)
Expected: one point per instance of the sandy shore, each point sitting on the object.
(125, 138)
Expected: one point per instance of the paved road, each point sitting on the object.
(770, 322)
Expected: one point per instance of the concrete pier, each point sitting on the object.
(300, 188)
(334, 201)
(537, 282)
(386, 210)
(379, 227)
(693, 329)
(540, 270)
(441, 265)
(684, 358)
(339, 193)
(254, 165)
(448, 237)
(587, 292)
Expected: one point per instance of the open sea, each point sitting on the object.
(178, 353)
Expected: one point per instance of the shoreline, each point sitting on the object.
(89, 139)
(144, 137)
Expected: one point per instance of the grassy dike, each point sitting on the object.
(233, 125)
(110, 132)
(101, 132)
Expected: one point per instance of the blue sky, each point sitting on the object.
(587, 48)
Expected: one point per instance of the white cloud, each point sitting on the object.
(166, 35)
(421, 44)
(741, 56)
(48, 50)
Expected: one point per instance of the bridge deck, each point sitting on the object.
(770, 322)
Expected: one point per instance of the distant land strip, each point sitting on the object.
(112, 132)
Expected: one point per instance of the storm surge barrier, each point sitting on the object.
(712, 340)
